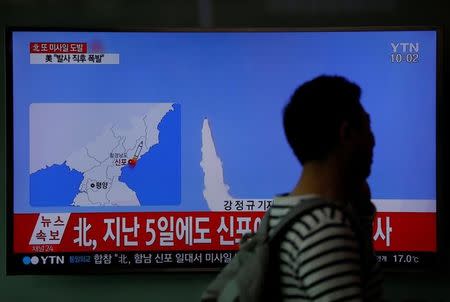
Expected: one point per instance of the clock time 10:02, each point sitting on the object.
(404, 58)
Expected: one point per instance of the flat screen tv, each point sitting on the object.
(157, 150)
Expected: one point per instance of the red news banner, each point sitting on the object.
(58, 47)
(188, 231)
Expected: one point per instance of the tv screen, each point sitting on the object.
(154, 150)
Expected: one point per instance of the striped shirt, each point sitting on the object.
(320, 257)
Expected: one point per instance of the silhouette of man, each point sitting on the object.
(323, 256)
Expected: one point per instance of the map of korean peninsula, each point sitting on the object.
(105, 154)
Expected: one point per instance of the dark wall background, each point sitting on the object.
(423, 286)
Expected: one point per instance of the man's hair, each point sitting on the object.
(315, 112)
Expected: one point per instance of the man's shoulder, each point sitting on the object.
(322, 216)
(325, 216)
(322, 211)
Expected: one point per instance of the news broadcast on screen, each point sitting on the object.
(154, 150)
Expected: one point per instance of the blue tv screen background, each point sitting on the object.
(240, 82)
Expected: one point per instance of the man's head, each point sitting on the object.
(325, 119)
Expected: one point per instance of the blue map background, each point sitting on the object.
(56, 185)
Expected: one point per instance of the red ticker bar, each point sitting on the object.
(415, 232)
(189, 231)
(161, 231)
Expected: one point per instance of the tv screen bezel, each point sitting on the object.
(439, 130)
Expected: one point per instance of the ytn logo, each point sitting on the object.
(43, 259)
(405, 47)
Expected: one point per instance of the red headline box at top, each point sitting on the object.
(58, 47)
